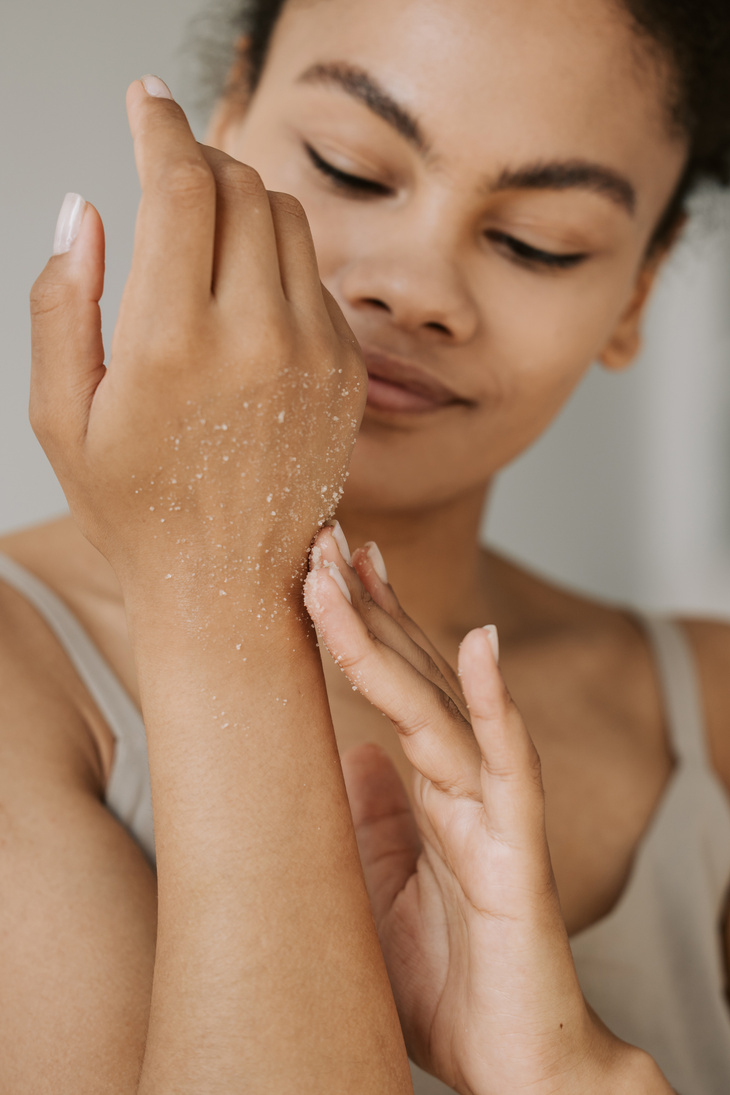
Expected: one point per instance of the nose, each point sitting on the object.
(422, 289)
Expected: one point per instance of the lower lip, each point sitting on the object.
(384, 396)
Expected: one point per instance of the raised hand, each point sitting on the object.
(215, 440)
(461, 887)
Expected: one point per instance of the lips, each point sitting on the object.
(401, 387)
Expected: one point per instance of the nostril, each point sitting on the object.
(377, 303)
(438, 327)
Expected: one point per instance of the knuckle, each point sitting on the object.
(44, 418)
(248, 178)
(47, 295)
(189, 180)
(287, 204)
(239, 177)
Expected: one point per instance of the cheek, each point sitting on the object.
(542, 332)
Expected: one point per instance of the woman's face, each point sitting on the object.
(482, 179)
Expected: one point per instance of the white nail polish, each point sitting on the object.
(341, 541)
(334, 572)
(493, 637)
(153, 85)
(68, 223)
(377, 560)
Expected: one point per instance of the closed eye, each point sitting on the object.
(344, 181)
(532, 256)
(520, 251)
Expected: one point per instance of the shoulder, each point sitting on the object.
(589, 660)
(710, 642)
(41, 695)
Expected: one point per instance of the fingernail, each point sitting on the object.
(377, 560)
(68, 223)
(341, 541)
(153, 85)
(334, 572)
(493, 637)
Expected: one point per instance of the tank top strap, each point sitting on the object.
(128, 794)
(110, 696)
(681, 690)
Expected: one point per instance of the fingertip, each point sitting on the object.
(478, 668)
(493, 636)
(319, 588)
(68, 223)
(378, 562)
(79, 246)
(155, 87)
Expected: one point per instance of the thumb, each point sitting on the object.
(67, 352)
(386, 831)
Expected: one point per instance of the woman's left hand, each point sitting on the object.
(461, 886)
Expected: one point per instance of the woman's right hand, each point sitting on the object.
(219, 434)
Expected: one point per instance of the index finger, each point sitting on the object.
(175, 234)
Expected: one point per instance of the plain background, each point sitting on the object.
(628, 495)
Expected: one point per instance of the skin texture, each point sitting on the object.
(422, 271)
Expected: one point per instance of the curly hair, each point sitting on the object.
(692, 35)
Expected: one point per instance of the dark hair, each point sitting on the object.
(692, 35)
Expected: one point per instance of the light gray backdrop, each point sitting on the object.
(628, 495)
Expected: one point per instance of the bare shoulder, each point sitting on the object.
(39, 690)
(710, 640)
(39, 684)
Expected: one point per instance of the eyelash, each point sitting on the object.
(342, 179)
(521, 252)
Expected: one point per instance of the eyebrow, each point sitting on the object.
(570, 175)
(362, 86)
(574, 174)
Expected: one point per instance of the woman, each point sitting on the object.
(491, 189)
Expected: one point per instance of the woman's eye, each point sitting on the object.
(533, 256)
(341, 179)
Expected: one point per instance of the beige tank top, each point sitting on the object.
(653, 969)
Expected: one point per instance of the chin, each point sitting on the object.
(386, 479)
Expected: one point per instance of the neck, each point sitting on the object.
(433, 556)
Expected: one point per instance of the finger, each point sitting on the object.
(297, 257)
(174, 240)
(433, 734)
(331, 546)
(386, 831)
(67, 353)
(343, 329)
(512, 792)
(246, 264)
(369, 563)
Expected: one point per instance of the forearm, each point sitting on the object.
(269, 975)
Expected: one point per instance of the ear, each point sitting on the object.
(626, 341)
(232, 104)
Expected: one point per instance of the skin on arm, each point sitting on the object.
(79, 900)
(200, 462)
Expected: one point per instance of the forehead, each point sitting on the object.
(514, 80)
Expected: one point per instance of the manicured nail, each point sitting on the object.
(341, 541)
(153, 85)
(377, 560)
(493, 637)
(334, 572)
(68, 223)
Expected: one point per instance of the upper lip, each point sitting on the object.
(406, 374)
